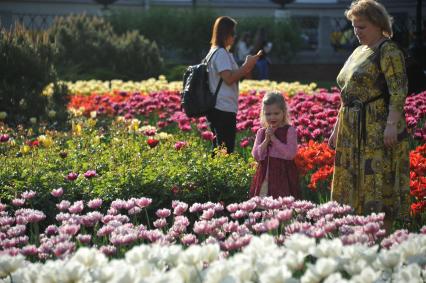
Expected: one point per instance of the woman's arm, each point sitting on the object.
(232, 76)
(393, 67)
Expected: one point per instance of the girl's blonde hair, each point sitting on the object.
(372, 11)
(274, 98)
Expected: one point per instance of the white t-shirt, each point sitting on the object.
(227, 98)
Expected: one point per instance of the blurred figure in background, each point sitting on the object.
(261, 70)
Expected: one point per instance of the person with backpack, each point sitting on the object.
(371, 167)
(223, 68)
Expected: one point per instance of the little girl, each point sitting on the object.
(274, 149)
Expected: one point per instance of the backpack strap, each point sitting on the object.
(207, 60)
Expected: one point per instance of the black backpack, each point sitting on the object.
(196, 97)
(415, 76)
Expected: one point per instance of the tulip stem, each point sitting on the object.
(147, 219)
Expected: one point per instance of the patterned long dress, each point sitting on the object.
(368, 175)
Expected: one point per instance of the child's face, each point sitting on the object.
(274, 115)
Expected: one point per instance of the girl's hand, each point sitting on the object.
(390, 135)
(269, 132)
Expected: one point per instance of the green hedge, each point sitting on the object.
(88, 48)
(184, 35)
(26, 68)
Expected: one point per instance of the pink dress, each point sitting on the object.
(276, 167)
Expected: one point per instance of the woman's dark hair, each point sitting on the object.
(223, 27)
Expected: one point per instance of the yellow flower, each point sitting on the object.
(93, 114)
(46, 141)
(76, 129)
(3, 115)
(91, 122)
(134, 125)
(25, 149)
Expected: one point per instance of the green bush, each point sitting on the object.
(184, 35)
(179, 33)
(89, 48)
(26, 68)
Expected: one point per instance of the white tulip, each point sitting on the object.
(325, 266)
(192, 255)
(335, 278)
(389, 259)
(294, 260)
(172, 276)
(187, 273)
(354, 267)
(408, 274)
(275, 275)
(217, 272)
(9, 264)
(327, 248)
(90, 258)
(138, 254)
(310, 277)
(71, 272)
(368, 275)
(299, 242)
(171, 254)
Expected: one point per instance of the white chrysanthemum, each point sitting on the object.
(275, 275)
(410, 274)
(9, 264)
(299, 242)
(368, 275)
(90, 258)
(327, 248)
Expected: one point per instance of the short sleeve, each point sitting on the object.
(393, 67)
(221, 61)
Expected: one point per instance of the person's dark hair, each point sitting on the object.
(223, 27)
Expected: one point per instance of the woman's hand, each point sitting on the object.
(250, 61)
(390, 135)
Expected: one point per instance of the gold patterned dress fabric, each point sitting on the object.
(367, 175)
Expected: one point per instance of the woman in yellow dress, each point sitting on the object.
(371, 170)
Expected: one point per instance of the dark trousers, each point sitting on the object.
(224, 126)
